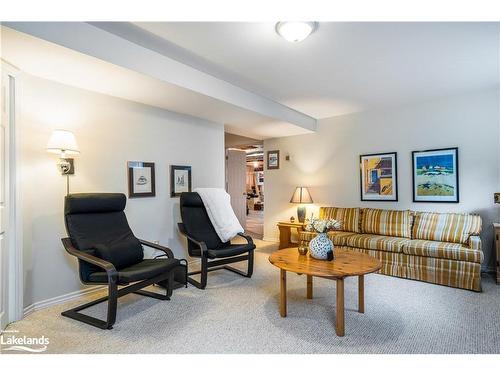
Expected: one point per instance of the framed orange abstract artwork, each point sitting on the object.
(378, 177)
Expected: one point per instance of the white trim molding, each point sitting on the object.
(14, 266)
(62, 299)
(3, 320)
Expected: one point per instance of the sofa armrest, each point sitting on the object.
(475, 243)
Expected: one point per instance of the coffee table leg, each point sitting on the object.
(309, 287)
(283, 293)
(361, 294)
(340, 327)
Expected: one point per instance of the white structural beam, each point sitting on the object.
(96, 42)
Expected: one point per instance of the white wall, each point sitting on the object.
(110, 132)
(328, 161)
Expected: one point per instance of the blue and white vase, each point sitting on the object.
(321, 247)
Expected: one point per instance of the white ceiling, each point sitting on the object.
(342, 67)
(53, 62)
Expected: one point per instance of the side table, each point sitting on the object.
(285, 228)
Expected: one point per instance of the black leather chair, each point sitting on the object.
(204, 243)
(109, 254)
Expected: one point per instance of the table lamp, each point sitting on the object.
(301, 195)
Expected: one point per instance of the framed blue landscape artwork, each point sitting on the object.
(435, 175)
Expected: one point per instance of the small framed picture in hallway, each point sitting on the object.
(273, 159)
(180, 180)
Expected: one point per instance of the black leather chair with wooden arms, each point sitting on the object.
(109, 254)
(204, 243)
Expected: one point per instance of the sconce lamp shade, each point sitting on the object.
(62, 141)
(301, 195)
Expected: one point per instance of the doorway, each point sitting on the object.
(245, 181)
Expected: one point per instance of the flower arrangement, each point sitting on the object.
(322, 226)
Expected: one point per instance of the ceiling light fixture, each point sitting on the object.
(295, 31)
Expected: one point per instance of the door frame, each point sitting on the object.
(228, 177)
(14, 292)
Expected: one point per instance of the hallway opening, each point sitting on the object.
(245, 181)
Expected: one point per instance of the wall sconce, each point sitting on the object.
(63, 142)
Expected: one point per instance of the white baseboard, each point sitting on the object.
(60, 299)
(70, 296)
(79, 293)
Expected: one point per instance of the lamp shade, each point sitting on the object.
(62, 141)
(301, 195)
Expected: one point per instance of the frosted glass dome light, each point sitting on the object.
(295, 31)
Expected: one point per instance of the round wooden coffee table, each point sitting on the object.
(346, 263)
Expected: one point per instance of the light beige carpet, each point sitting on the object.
(255, 224)
(240, 315)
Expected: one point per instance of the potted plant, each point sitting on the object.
(321, 247)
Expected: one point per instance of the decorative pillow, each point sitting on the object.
(386, 222)
(447, 227)
(349, 217)
(122, 254)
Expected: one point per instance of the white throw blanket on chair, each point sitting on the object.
(218, 205)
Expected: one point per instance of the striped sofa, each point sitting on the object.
(440, 248)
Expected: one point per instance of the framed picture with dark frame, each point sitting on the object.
(273, 159)
(141, 179)
(180, 180)
(435, 175)
(378, 175)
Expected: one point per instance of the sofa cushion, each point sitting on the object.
(443, 250)
(349, 217)
(386, 222)
(375, 242)
(445, 227)
(339, 238)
